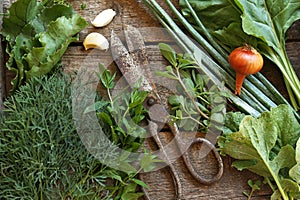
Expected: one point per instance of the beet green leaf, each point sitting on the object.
(38, 36)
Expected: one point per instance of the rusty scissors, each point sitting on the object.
(134, 66)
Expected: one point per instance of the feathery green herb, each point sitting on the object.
(43, 157)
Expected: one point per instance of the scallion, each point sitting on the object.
(259, 94)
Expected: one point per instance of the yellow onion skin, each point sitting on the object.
(245, 60)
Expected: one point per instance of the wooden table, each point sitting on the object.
(134, 12)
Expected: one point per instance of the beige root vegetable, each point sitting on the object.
(104, 18)
(95, 40)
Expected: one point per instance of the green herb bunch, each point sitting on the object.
(198, 104)
(121, 117)
(122, 114)
(43, 157)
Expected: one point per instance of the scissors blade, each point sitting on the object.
(138, 51)
(127, 65)
(136, 47)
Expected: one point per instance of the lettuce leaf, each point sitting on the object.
(38, 36)
(295, 171)
(232, 121)
(268, 146)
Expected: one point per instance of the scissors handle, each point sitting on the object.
(187, 161)
(175, 176)
(194, 173)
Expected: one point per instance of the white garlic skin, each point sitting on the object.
(104, 18)
(95, 40)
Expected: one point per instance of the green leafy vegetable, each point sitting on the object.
(262, 24)
(295, 171)
(37, 36)
(232, 122)
(268, 147)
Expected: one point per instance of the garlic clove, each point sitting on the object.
(104, 18)
(95, 40)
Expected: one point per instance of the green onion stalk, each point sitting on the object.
(259, 94)
(290, 77)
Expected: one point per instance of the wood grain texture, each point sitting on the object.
(133, 12)
(2, 76)
(293, 32)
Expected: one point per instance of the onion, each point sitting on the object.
(245, 60)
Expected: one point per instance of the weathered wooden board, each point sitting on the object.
(133, 12)
(2, 91)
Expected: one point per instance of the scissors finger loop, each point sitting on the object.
(194, 173)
